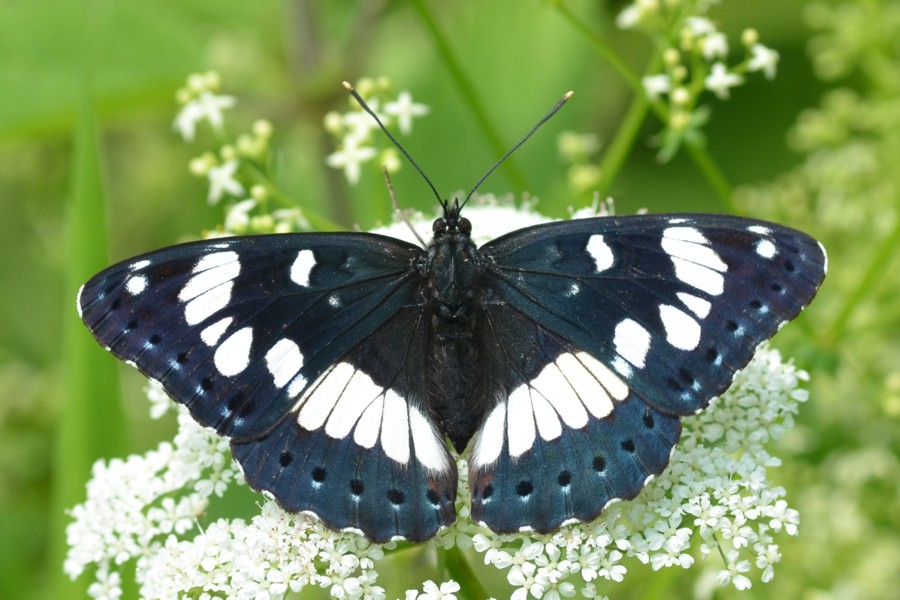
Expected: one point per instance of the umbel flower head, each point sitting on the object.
(713, 510)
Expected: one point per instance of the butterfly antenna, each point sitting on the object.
(366, 108)
(397, 211)
(543, 120)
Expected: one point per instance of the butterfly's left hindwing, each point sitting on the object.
(360, 450)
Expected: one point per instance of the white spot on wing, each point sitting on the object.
(284, 360)
(600, 252)
(302, 267)
(696, 304)
(136, 284)
(213, 333)
(699, 276)
(586, 388)
(78, 302)
(206, 305)
(233, 355)
(489, 440)
(520, 422)
(824, 257)
(320, 399)
(548, 424)
(356, 396)
(209, 290)
(766, 249)
(632, 342)
(141, 264)
(759, 229)
(296, 386)
(551, 384)
(211, 271)
(366, 432)
(429, 449)
(395, 428)
(695, 262)
(617, 388)
(682, 331)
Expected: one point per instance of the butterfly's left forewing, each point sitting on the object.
(613, 328)
(305, 350)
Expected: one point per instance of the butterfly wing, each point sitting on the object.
(638, 320)
(285, 344)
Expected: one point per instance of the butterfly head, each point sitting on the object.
(452, 223)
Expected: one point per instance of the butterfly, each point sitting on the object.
(561, 356)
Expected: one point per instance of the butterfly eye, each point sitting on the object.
(438, 225)
(465, 225)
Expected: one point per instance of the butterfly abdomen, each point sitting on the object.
(450, 289)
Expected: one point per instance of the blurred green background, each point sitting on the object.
(86, 109)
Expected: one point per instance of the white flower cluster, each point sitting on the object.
(358, 133)
(237, 170)
(714, 505)
(695, 58)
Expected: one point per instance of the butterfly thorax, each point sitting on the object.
(450, 289)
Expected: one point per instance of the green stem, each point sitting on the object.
(626, 136)
(468, 93)
(620, 146)
(459, 570)
(713, 175)
(874, 271)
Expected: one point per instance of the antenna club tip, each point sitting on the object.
(349, 87)
(568, 95)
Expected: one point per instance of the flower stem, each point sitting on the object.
(459, 570)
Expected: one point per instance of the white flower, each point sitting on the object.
(763, 59)
(636, 12)
(404, 110)
(443, 592)
(715, 45)
(656, 85)
(720, 80)
(207, 106)
(700, 26)
(237, 218)
(350, 157)
(108, 585)
(222, 181)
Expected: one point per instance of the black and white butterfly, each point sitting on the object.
(561, 355)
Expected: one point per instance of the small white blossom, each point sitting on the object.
(205, 107)
(720, 80)
(444, 591)
(237, 218)
(715, 45)
(700, 26)
(222, 181)
(763, 59)
(108, 585)
(403, 109)
(350, 157)
(656, 85)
